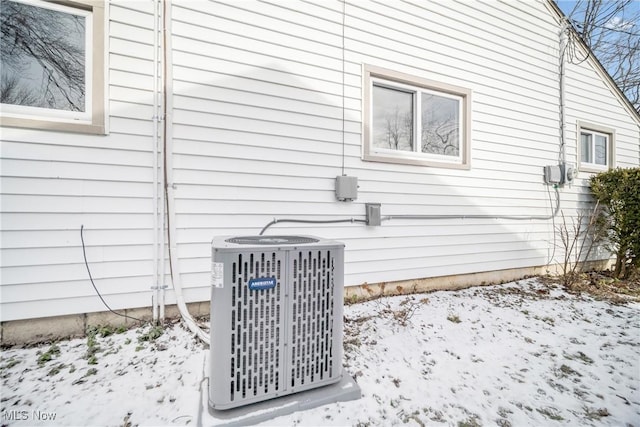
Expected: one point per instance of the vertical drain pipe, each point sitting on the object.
(168, 178)
(156, 123)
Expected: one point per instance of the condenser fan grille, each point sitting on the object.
(271, 240)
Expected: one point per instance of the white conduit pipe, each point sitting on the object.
(563, 48)
(156, 107)
(163, 224)
(162, 198)
(169, 186)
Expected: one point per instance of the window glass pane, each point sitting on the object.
(392, 126)
(600, 149)
(42, 56)
(585, 148)
(440, 125)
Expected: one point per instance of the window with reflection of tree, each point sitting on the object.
(48, 55)
(415, 121)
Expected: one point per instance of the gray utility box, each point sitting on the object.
(276, 317)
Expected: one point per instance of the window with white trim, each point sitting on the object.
(412, 120)
(595, 147)
(52, 58)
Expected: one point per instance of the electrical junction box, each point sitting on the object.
(553, 174)
(373, 214)
(346, 188)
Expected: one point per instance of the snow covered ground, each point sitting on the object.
(521, 354)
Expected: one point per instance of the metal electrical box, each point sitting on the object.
(276, 317)
(346, 188)
(553, 174)
(374, 217)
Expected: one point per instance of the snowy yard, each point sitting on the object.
(522, 354)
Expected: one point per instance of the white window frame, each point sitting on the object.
(594, 129)
(378, 76)
(92, 120)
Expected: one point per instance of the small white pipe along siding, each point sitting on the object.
(169, 185)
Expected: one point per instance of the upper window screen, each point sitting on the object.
(47, 56)
(411, 120)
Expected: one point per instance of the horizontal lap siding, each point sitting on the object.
(257, 121)
(589, 99)
(52, 183)
(262, 114)
(258, 130)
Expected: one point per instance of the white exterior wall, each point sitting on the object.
(54, 182)
(258, 133)
(588, 97)
(590, 105)
(267, 88)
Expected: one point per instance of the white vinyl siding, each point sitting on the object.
(258, 130)
(53, 183)
(261, 116)
(258, 122)
(588, 109)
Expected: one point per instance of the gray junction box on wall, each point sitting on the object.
(276, 317)
(346, 188)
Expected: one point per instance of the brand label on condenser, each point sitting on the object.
(262, 283)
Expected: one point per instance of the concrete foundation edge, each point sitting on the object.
(46, 329)
(454, 282)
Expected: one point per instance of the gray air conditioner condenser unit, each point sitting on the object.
(276, 317)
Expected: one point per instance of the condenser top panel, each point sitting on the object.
(271, 240)
(281, 242)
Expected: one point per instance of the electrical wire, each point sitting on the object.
(573, 40)
(425, 217)
(311, 221)
(508, 217)
(86, 263)
(553, 222)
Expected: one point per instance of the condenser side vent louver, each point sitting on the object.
(276, 323)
